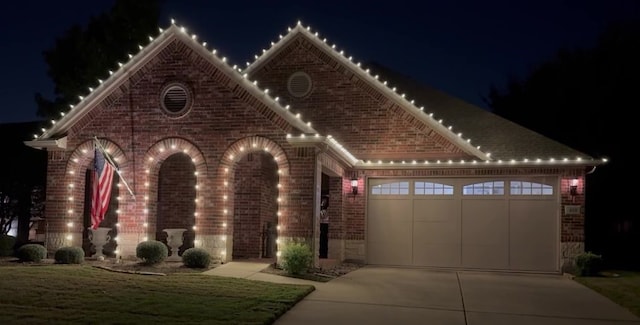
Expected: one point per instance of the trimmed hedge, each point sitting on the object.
(69, 255)
(196, 258)
(31, 253)
(152, 252)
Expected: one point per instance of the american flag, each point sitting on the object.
(102, 179)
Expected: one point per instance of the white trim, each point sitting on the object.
(48, 144)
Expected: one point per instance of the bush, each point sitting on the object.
(32, 253)
(588, 264)
(6, 245)
(296, 258)
(69, 255)
(152, 252)
(196, 258)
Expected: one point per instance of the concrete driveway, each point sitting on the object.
(378, 295)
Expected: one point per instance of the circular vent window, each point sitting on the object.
(176, 99)
(299, 84)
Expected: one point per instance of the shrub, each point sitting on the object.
(69, 255)
(588, 264)
(296, 258)
(196, 258)
(152, 252)
(31, 253)
(6, 245)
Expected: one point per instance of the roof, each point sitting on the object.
(493, 140)
(505, 140)
(489, 137)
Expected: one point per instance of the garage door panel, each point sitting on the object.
(436, 210)
(485, 234)
(427, 233)
(533, 235)
(485, 256)
(386, 255)
(389, 232)
(484, 222)
(438, 255)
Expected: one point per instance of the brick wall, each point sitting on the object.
(342, 106)
(131, 122)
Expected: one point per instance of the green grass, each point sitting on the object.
(72, 294)
(623, 290)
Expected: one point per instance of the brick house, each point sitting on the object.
(242, 158)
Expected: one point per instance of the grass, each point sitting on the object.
(80, 294)
(623, 290)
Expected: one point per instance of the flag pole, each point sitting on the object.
(106, 155)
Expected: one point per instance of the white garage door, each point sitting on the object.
(497, 224)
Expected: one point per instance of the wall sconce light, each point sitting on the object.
(573, 187)
(354, 186)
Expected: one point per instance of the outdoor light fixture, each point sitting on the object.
(573, 187)
(354, 186)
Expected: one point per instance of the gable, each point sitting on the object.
(370, 123)
(468, 127)
(129, 74)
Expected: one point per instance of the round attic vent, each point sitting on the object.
(299, 84)
(175, 99)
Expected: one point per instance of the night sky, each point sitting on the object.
(461, 47)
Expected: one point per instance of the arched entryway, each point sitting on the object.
(176, 201)
(78, 179)
(256, 206)
(254, 182)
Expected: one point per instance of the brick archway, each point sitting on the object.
(79, 162)
(227, 176)
(153, 159)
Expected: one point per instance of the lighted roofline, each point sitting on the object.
(101, 92)
(424, 164)
(329, 141)
(374, 82)
(150, 50)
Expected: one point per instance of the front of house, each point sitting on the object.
(241, 159)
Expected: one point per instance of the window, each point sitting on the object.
(485, 188)
(429, 188)
(398, 188)
(530, 188)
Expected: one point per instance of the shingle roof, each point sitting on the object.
(502, 138)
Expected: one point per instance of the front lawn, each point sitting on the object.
(68, 294)
(623, 290)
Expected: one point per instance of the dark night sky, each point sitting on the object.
(461, 47)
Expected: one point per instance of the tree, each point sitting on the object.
(84, 55)
(8, 213)
(586, 98)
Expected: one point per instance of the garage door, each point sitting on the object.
(497, 224)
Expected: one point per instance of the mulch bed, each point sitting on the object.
(168, 268)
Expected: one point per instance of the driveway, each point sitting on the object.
(399, 296)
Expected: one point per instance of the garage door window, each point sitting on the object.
(398, 188)
(530, 188)
(429, 188)
(484, 188)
